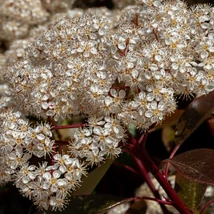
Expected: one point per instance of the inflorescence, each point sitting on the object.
(115, 68)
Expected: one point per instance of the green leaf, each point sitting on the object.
(168, 137)
(196, 165)
(190, 192)
(194, 115)
(90, 182)
(86, 204)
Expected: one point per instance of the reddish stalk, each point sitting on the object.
(142, 139)
(52, 157)
(62, 142)
(119, 87)
(127, 167)
(135, 199)
(145, 175)
(53, 123)
(205, 207)
(146, 161)
(132, 139)
(171, 156)
(143, 160)
(147, 179)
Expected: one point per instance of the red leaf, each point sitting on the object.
(194, 115)
(196, 165)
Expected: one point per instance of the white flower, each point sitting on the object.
(26, 174)
(155, 111)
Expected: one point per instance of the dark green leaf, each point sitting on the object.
(168, 137)
(86, 204)
(194, 115)
(196, 165)
(90, 182)
(190, 192)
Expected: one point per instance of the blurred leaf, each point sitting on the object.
(90, 182)
(137, 207)
(168, 137)
(190, 192)
(169, 120)
(86, 204)
(68, 134)
(194, 115)
(173, 118)
(196, 165)
(211, 125)
(126, 158)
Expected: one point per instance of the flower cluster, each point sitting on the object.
(47, 185)
(114, 68)
(18, 16)
(99, 141)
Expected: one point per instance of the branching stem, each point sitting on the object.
(146, 161)
(145, 164)
(171, 156)
(207, 205)
(134, 199)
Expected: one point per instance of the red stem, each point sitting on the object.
(147, 178)
(142, 139)
(146, 161)
(132, 139)
(135, 199)
(119, 87)
(126, 167)
(53, 123)
(171, 156)
(62, 142)
(205, 207)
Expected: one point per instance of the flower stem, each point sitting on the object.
(147, 179)
(205, 207)
(134, 199)
(126, 167)
(53, 123)
(177, 203)
(168, 163)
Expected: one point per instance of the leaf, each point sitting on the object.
(196, 165)
(194, 115)
(90, 182)
(190, 192)
(86, 204)
(137, 207)
(168, 136)
(211, 125)
(169, 120)
(172, 119)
